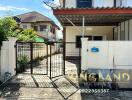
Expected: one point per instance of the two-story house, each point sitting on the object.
(96, 19)
(45, 27)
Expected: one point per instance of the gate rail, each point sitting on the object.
(31, 58)
(46, 58)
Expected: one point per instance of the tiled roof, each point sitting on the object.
(35, 17)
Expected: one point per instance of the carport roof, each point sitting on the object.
(93, 16)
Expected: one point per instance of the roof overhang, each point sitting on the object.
(93, 16)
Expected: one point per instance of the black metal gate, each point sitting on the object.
(56, 61)
(40, 58)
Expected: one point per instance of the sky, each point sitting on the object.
(16, 7)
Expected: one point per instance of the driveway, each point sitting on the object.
(39, 87)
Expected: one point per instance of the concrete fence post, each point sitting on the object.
(4, 57)
(8, 57)
(84, 42)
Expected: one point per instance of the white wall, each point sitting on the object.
(111, 55)
(96, 3)
(70, 3)
(95, 60)
(61, 3)
(108, 3)
(122, 3)
(72, 32)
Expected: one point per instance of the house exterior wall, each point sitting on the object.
(123, 31)
(27, 24)
(70, 3)
(121, 3)
(108, 3)
(72, 32)
(46, 34)
(102, 3)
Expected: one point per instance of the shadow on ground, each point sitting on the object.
(38, 87)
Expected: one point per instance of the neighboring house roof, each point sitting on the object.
(32, 17)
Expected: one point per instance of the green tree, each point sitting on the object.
(27, 35)
(7, 27)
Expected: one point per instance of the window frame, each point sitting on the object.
(35, 27)
(91, 38)
(24, 26)
(92, 1)
(43, 29)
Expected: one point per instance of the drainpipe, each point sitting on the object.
(83, 27)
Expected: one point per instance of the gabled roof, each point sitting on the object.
(34, 16)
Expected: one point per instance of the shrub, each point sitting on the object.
(22, 62)
(27, 35)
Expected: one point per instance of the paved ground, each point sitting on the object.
(37, 87)
(40, 87)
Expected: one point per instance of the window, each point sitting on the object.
(35, 28)
(90, 38)
(114, 3)
(43, 27)
(78, 40)
(52, 29)
(84, 3)
(118, 3)
(98, 38)
(24, 26)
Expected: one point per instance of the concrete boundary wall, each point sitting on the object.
(106, 54)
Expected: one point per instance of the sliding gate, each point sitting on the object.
(40, 58)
